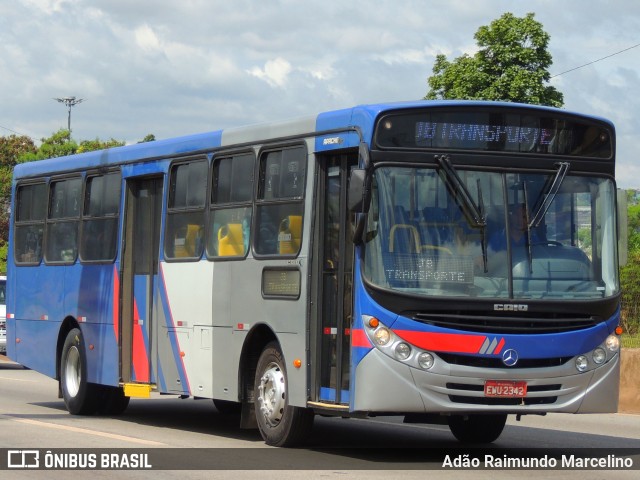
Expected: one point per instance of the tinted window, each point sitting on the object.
(63, 219)
(29, 223)
(100, 218)
(231, 210)
(184, 232)
(279, 216)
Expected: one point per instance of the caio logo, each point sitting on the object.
(510, 307)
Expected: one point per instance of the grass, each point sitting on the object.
(631, 341)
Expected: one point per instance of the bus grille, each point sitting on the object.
(521, 324)
(492, 362)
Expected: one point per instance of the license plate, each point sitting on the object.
(505, 389)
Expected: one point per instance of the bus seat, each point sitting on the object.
(186, 241)
(405, 238)
(290, 234)
(230, 240)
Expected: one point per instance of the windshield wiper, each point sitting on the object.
(460, 192)
(473, 212)
(527, 226)
(543, 204)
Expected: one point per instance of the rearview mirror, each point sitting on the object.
(357, 188)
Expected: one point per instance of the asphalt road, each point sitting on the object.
(179, 434)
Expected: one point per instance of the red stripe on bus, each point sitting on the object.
(359, 338)
(139, 355)
(499, 347)
(443, 342)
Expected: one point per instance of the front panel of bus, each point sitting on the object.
(488, 264)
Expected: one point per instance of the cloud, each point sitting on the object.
(275, 72)
(174, 67)
(146, 38)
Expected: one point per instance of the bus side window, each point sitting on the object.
(99, 234)
(185, 212)
(231, 210)
(279, 215)
(29, 223)
(62, 224)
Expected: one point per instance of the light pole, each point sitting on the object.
(69, 102)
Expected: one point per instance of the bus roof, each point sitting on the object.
(362, 117)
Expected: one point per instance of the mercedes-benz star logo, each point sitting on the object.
(510, 357)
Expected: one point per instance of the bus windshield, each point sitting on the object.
(539, 235)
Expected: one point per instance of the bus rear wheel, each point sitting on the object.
(477, 428)
(280, 424)
(80, 397)
(112, 401)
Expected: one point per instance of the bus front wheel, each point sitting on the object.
(280, 424)
(80, 396)
(477, 428)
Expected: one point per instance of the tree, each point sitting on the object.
(11, 148)
(97, 144)
(511, 65)
(630, 273)
(149, 138)
(20, 149)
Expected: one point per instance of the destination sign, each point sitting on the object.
(508, 130)
(483, 134)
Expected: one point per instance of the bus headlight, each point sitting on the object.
(425, 360)
(382, 336)
(385, 340)
(582, 364)
(403, 351)
(599, 355)
(612, 343)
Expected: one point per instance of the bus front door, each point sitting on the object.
(139, 279)
(336, 252)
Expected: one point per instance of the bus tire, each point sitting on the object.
(280, 424)
(80, 397)
(112, 401)
(477, 428)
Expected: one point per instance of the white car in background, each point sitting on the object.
(3, 314)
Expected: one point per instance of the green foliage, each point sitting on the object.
(149, 138)
(511, 65)
(20, 149)
(630, 283)
(3, 256)
(630, 273)
(97, 144)
(12, 147)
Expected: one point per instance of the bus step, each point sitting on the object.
(139, 390)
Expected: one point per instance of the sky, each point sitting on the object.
(177, 67)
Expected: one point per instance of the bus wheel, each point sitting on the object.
(113, 401)
(280, 424)
(477, 428)
(80, 396)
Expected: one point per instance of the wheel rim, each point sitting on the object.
(72, 371)
(272, 394)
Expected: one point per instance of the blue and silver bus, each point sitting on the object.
(449, 262)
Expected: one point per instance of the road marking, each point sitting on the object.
(18, 380)
(112, 436)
